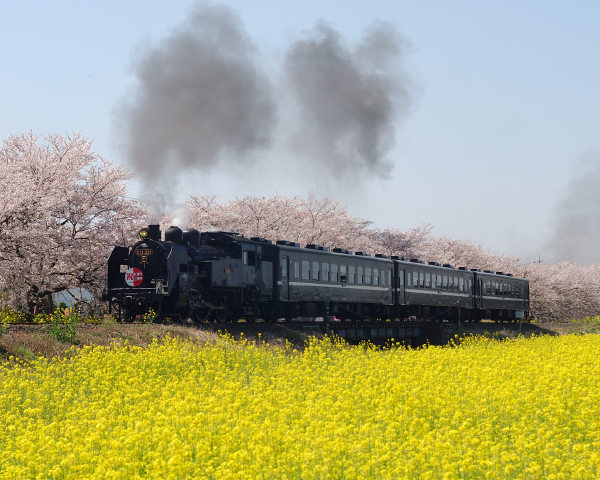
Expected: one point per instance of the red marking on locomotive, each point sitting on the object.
(134, 277)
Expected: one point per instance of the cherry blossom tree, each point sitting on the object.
(310, 220)
(408, 244)
(62, 209)
(464, 253)
(563, 291)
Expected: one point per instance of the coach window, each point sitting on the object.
(333, 276)
(383, 277)
(375, 276)
(461, 284)
(351, 274)
(284, 266)
(249, 258)
(428, 280)
(296, 269)
(445, 282)
(367, 276)
(343, 274)
(315, 270)
(421, 279)
(359, 275)
(389, 277)
(325, 272)
(305, 270)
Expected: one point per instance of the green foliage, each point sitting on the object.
(149, 316)
(109, 319)
(25, 354)
(63, 323)
(587, 320)
(592, 320)
(8, 316)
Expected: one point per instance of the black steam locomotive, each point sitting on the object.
(223, 276)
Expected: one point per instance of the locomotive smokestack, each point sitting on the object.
(154, 232)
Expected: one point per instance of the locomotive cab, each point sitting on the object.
(156, 274)
(137, 276)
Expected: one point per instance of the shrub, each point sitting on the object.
(149, 316)
(63, 323)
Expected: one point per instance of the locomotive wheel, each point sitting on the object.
(219, 314)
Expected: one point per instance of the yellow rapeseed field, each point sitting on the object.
(527, 408)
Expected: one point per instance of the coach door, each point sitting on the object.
(400, 299)
(479, 287)
(284, 292)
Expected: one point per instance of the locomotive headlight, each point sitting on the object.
(143, 233)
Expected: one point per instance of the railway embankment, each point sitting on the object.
(30, 341)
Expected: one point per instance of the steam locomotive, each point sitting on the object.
(224, 276)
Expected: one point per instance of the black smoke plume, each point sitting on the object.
(349, 100)
(576, 235)
(201, 99)
(204, 102)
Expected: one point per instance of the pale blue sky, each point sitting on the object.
(507, 102)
